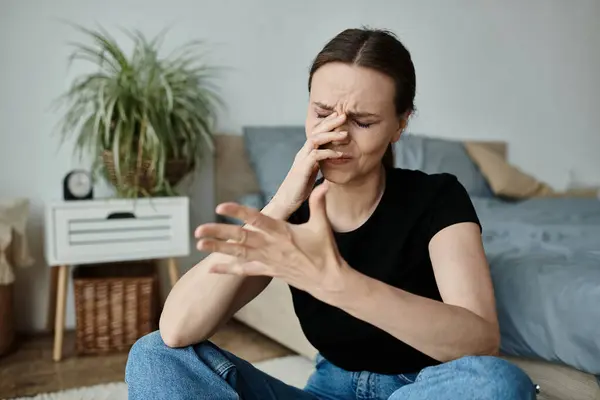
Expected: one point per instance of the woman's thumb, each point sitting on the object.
(316, 203)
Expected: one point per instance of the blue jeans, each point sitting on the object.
(203, 371)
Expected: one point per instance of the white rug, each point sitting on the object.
(293, 370)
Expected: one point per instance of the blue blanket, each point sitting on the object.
(544, 256)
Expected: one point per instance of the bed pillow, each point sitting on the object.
(271, 151)
(505, 179)
(435, 155)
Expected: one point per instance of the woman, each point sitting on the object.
(386, 266)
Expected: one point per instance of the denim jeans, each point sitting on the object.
(203, 371)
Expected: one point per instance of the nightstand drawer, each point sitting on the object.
(101, 231)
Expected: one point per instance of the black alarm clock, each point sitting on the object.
(77, 185)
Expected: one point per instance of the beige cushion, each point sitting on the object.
(505, 179)
(509, 181)
(497, 147)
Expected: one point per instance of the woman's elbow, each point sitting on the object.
(492, 344)
(172, 332)
(176, 333)
(170, 335)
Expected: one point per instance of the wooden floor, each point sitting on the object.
(30, 370)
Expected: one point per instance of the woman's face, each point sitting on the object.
(366, 97)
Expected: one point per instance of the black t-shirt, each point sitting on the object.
(391, 246)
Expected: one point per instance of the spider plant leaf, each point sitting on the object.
(160, 168)
(101, 110)
(116, 160)
(117, 133)
(205, 131)
(93, 55)
(95, 132)
(168, 92)
(123, 115)
(106, 42)
(84, 140)
(108, 118)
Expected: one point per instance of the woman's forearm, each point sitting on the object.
(200, 302)
(442, 331)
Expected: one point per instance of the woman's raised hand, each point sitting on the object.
(299, 182)
(304, 256)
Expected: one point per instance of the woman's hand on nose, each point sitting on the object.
(301, 177)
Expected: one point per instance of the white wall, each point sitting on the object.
(523, 71)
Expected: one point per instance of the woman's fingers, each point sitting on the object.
(233, 249)
(251, 268)
(324, 154)
(324, 132)
(330, 123)
(230, 232)
(251, 217)
(319, 139)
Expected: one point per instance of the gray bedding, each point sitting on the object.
(544, 256)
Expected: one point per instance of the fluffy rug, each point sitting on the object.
(294, 370)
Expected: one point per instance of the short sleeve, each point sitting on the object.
(451, 205)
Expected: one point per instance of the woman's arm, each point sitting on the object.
(201, 302)
(306, 257)
(465, 323)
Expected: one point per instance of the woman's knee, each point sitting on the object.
(146, 354)
(150, 357)
(498, 378)
(470, 378)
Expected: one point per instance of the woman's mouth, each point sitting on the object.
(338, 161)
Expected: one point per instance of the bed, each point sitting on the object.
(544, 255)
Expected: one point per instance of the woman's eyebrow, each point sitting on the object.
(323, 106)
(351, 114)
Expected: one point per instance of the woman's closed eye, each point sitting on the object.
(363, 125)
(360, 124)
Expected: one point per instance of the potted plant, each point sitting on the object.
(147, 120)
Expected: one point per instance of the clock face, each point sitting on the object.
(79, 184)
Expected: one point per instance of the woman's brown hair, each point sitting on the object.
(379, 50)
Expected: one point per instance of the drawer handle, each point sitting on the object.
(120, 215)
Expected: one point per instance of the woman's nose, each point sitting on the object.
(343, 128)
(344, 140)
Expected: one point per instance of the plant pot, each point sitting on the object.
(175, 171)
(7, 318)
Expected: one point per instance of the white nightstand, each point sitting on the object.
(97, 231)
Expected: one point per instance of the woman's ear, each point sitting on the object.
(402, 123)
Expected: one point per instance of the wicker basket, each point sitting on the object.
(175, 171)
(115, 304)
